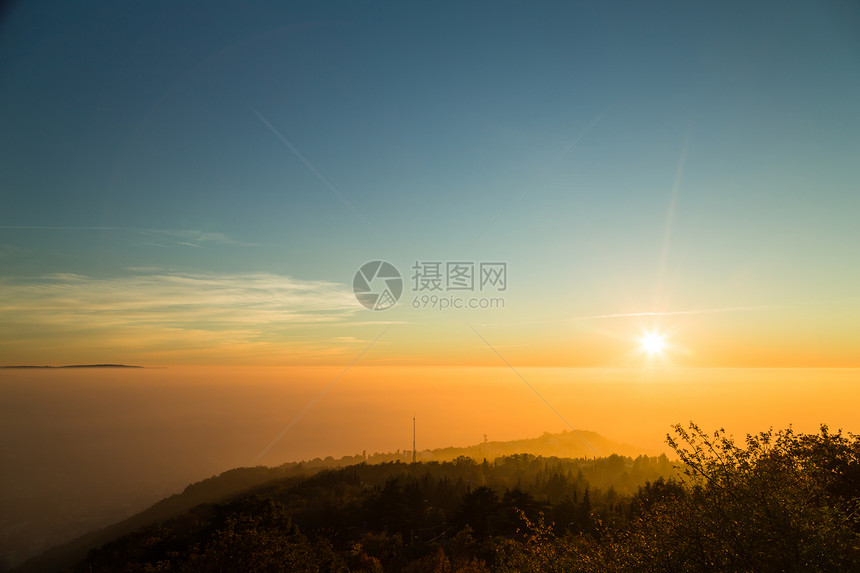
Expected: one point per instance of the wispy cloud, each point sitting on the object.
(194, 238)
(195, 309)
(157, 237)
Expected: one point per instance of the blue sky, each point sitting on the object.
(621, 157)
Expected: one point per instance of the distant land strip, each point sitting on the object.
(79, 366)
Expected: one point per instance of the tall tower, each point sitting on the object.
(413, 438)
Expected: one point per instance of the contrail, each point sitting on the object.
(541, 175)
(670, 218)
(533, 389)
(48, 228)
(187, 237)
(749, 308)
(319, 175)
(316, 399)
(666, 313)
(673, 312)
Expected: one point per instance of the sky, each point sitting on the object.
(606, 216)
(189, 184)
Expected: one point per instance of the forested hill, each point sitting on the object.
(235, 481)
(382, 505)
(778, 501)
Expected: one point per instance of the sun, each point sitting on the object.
(653, 343)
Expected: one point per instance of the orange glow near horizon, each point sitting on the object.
(454, 405)
(43, 329)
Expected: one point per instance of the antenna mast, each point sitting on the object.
(413, 438)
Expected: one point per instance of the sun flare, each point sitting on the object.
(653, 343)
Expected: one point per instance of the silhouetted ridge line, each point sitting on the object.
(76, 366)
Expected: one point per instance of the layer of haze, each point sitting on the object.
(83, 448)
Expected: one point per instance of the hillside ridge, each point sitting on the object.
(232, 482)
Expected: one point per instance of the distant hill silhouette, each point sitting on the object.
(564, 445)
(235, 481)
(78, 366)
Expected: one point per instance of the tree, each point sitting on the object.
(782, 501)
(478, 511)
